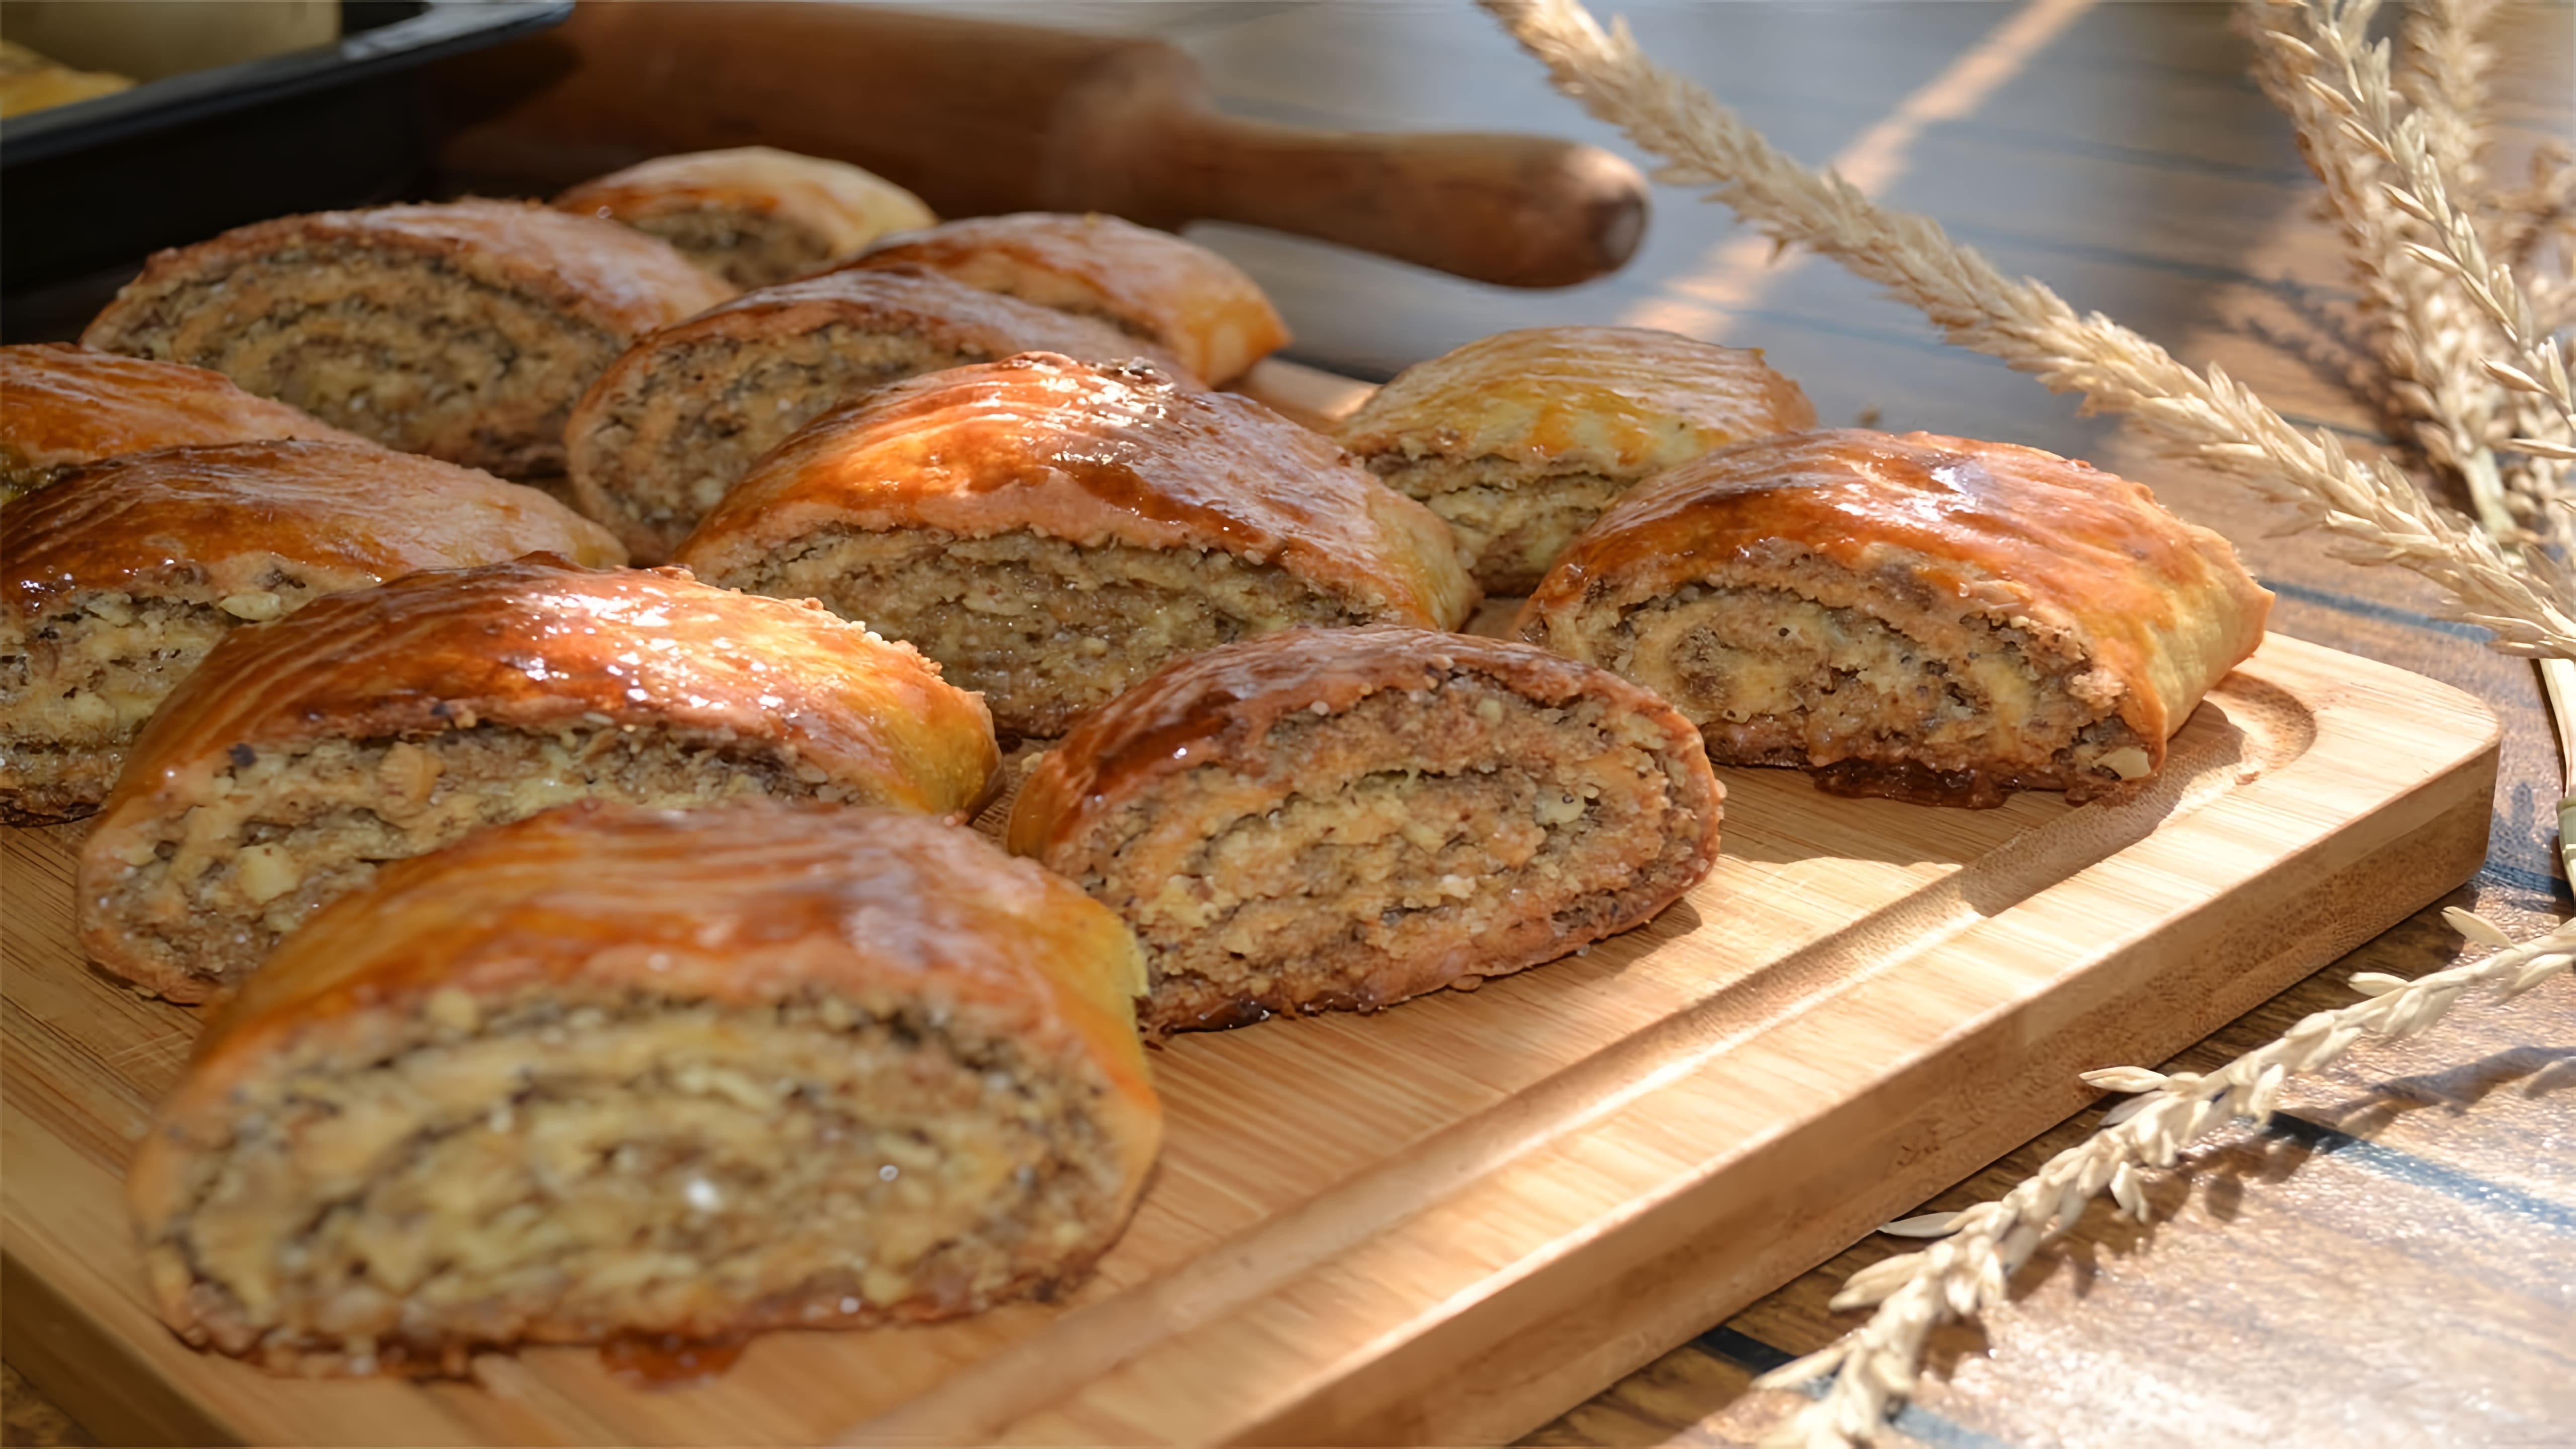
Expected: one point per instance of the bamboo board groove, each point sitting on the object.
(1447, 1221)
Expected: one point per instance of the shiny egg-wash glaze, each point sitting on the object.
(1175, 294)
(1928, 617)
(116, 581)
(463, 330)
(1520, 439)
(1346, 818)
(1052, 531)
(382, 724)
(752, 215)
(662, 434)
(62, 406)
(610, 1071)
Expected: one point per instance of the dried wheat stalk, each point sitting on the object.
(2444, 79)
(2346, 120)
(2533, 217)
(2426, 337)
(2432, 340)
(2343, 90)
(2374, 512)
(2535, 363)
(2361, 96)
(1983, 1246)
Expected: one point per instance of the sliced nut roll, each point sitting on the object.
(463, 330)
(1327, 819)
(372, 726)
(1175, 294)
(1923, 617)
(116, 581)
(62, 406)
(1521, 439)
(611, 1072)
(1052, 531)
(668, 428)
(752, 215)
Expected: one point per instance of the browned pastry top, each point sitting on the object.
(848, 206)
(338, 515)
(1218, 708)
(611, 276)
(946, 314)
(1095, 455)
(538, 644)
(62, 405)
(1190, 300)
(1621, 400)
(740, 904)
(2006, 531)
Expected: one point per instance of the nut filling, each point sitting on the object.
(668, 445)
(282, 833)
(76, 688)
(1463, 826)
(1513, 517)
(747, 248)
(563, 1168)
(409, 352)
(1044, 628)
(1776, 678)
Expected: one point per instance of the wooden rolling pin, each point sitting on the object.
(978, 117)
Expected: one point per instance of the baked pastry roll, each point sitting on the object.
(752, 215)
(115, 582)
(1345, 818)
(1052, 531)
(611, 1072)
(1521, 439)
(373, 726)
(1175, 294)
(62, 406)
(670, 426)
(463, 330)
(1921, 617)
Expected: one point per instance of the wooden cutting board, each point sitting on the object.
(1448, 1221)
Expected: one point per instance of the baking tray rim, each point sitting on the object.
(443, 28)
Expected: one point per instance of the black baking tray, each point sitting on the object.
(88, 190)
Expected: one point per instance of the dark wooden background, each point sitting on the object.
(2394, 1261)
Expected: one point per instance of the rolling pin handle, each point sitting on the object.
(1518, 211)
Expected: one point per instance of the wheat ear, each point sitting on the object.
(2424, 335)
(2434, 340)
(2374, 512)
(1983, 1246)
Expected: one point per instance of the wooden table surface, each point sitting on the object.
(2394, 1261)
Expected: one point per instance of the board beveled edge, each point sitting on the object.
(1516, 1293)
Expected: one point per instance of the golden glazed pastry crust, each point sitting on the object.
(752, 215)
(1176, 294)
(1520, 439)
(62, 406)
(377, 725)
(1918, 615)
(1093, 521)
(463, 330)
(1347, 818)
(615, 1071)
(671, 425)
(116, 581)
